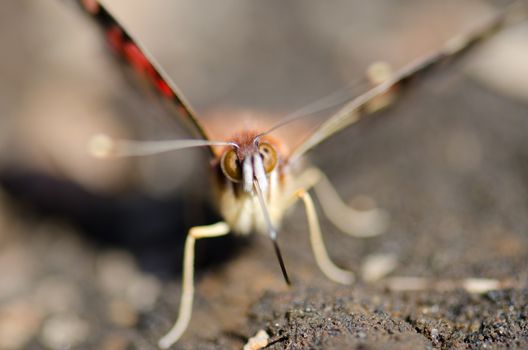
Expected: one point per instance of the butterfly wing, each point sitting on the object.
(367, 103)
(133, 53)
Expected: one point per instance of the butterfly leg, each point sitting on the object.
(184, 315)
(326, 265)
(357, 223)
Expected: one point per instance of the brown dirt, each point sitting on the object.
(449, 163)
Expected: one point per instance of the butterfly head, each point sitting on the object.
(250, 159)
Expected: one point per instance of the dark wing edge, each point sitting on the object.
(365, 105)
(133, 52)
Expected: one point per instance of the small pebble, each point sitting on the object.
(480, 285)
(378, 72)
(377, 266)
(64, 331)
(434, 333)
(259, 341)
(115, 270)
(502, 63)
(362, 335)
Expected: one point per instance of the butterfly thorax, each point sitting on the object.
(253, 161)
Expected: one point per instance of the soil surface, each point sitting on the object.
(92, 262)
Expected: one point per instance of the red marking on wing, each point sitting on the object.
(127, 49)
(136, 58)
(165, 89)
(133, 55)
(114, 36)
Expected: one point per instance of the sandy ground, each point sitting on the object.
(90, 253)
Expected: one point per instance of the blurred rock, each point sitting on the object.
(57, 294)
(259, 341)
(115, 270)
(501, 63)
(64, 331)
(17, 269)
(19, 323)
(122, 313)
(377, 266)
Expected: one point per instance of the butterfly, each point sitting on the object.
(255, 178)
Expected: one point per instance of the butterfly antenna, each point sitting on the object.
(103, 146)
(271, 231)
(330, 101)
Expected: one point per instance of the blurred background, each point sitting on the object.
(90, 249)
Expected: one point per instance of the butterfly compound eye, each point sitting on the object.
(231, 166)
(269, 157)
